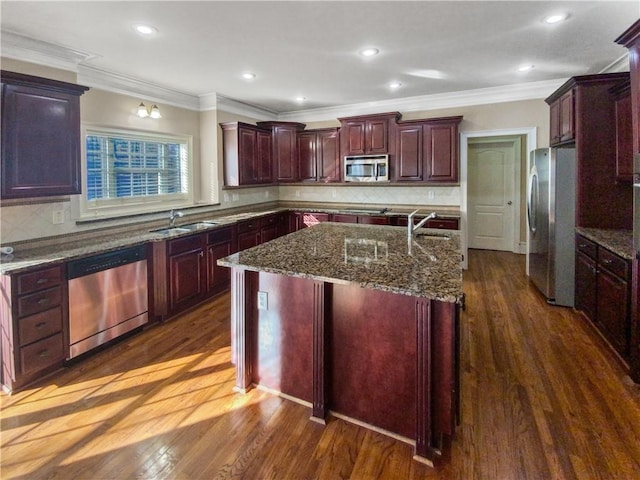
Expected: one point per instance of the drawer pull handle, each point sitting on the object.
(41, 325)
(42, 280)
(43, 301)
(583, 245)
(43, 353)
(607, 261)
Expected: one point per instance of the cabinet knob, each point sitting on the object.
(42, 280)
(43, 353)
(43, 301)
(607, 261)
(41, 325)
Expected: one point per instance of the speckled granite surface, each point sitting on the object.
(619, 242)
(377, 257)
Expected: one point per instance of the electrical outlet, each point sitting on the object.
(57, 217)
(297, 193)
(262, 301)
(226, 197)
(334, 193)
(431, 195)
(266, 194)
(235, 197)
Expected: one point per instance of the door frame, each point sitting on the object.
(530, 134)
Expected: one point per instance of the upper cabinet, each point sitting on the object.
(368, 134)
(631, 40)
(588, 123)
(247, 154)
(319, 155)
(284, 152)
(624, 132)
(40, 136)
(427, 150)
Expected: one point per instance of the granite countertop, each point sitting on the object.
(619, 242)
(377, 257)
(23, 260)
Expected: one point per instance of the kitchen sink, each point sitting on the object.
(172, 230)
(190, 227)
(200, 225)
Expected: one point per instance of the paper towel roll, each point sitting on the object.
(6, 250)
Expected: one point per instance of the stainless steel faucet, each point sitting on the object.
(411, 228)
(172, 217)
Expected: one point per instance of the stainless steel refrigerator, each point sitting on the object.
(551, 219)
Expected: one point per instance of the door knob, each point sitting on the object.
(509, 202)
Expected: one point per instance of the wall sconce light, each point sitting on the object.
(153, 112)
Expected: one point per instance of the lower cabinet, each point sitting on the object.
(33, 318)
(441, 223)
(603, 292)
(300, 220)
(364, 219)
(260, 230)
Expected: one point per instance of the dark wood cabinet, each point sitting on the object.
(284, 149)
(427, 150)
(40, 137)
(603, 293)
(440, 223)
(247, 154)
(259, 230)
(186, 272)
(220, 243)
(368, 134)
(319, 155)
(624, 132)
(33, 321)
(601, 200)
(300, 220)
(562, 126)
(363, 219)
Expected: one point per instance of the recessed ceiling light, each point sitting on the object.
(248, 75)
(369, 52)
(559, 17)
(394, 85)
(300, 99)
(145, 30)
(525, 68)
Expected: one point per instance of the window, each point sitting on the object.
(135, 172)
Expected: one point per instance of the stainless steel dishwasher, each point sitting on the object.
(107, 297)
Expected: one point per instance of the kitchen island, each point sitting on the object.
(356, 321)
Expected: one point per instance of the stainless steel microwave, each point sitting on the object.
(366, 168)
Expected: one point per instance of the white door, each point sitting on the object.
(491, 190)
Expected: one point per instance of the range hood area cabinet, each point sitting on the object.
(427, 151)
(247, 154)
(368, 134)
(602, 201)
(40, 136)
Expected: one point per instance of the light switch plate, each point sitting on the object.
(262, 301)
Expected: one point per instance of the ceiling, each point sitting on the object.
(310, 48)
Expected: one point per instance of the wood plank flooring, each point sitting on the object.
(541, 399)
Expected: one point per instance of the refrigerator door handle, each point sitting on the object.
(532, 201)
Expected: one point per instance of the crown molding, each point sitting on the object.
(464, 98)
(240, 108)
(118, 83)
(20, 47)
(621, 64)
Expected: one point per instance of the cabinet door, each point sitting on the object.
(218, 278)
(263, 157)
(186, 275)
(373, 219)
(328, 156)
(377, 140)
(248, 239)
(285, 154)
(40, 142)
(613, 310)
(585, 290)
(554, 123)
(247, 164)
(441, 153)
(624, 139)
(307, 156)
(344, 218)
(354, 133)
(566, 117)
(409, 164)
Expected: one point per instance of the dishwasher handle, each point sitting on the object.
(104, 261)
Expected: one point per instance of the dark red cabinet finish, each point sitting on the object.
(427, 151)
(601, 200)
(624, 132)
(33, 319)
(247, 154)
(562, 126)
(40, 136)
(603, 293)
(319, 155)
(368, 134)
(284, 152)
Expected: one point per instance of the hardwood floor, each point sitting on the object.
(541, 399)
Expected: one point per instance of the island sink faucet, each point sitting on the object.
(411, 228)
(172, 217)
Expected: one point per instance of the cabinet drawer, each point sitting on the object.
(248, 226)
(443, 223)
(586, 246)
(39, 302)
(42, 354)
(615, 264)
(34, 281)
(40, 325)
(185, 244)
(220, 236)
(268, 221)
